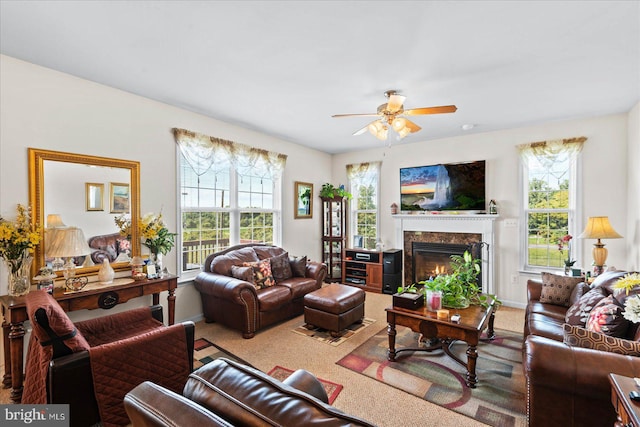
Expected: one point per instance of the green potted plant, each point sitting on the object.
(330, 192)
(460, 287)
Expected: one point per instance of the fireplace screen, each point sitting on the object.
(433, 259)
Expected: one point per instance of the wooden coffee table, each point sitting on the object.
(443, 333)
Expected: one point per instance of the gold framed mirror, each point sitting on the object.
(57, 189)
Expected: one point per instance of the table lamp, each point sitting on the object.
(598, 227)
(67, 243)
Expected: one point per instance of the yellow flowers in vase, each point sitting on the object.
(17, 241)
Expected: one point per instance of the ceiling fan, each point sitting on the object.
(391, 116)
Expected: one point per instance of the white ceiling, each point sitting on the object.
(284, 67)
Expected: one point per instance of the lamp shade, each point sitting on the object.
(66, 242)
(54, 220)
(598, 227)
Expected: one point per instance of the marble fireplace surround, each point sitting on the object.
(443, 228)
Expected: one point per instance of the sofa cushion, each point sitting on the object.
(557, 289)
(576, 336)
(298, 266)
(578, 313)
(262, 277)
(222, 263)
(264, 252)
(545, 326)
(280, 267)
(606, 318)
(242, 273)
(299, 286)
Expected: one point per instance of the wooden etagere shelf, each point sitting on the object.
(362, 268)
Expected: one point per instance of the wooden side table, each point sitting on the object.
(14, 311)
(628, 411)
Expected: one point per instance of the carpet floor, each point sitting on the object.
(498, 399)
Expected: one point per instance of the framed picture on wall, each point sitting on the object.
(120, 197)
(303, 200)
(94, 196)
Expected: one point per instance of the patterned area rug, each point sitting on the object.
(325, 336)
(498, 399)
(332, 389)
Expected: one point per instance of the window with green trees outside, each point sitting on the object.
(549, 209)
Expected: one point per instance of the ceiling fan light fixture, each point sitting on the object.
(399, 123)
(404, 132)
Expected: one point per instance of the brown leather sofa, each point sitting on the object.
(237, 303)
(227, 393)
(569, 386)
(106, 246)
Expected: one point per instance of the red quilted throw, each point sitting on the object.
(152, 357)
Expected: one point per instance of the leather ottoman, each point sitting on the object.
(334, 307)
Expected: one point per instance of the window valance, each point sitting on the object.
(363, 171)
(202, 151)
(546, 153)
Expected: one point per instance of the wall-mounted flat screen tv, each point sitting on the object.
(443, 187)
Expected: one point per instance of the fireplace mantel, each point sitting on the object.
(450, 223)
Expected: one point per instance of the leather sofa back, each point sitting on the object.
(245, 396)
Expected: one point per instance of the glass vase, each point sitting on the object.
(156, 259)
(19, 274)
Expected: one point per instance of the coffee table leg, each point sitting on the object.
(472, 357)
(391, 332)
(490, 332)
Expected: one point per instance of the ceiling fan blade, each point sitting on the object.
(395, 103)
(361, 131)
(356, 115)
(431, 110)
(412, 126)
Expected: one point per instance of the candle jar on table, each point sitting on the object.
(434, 300)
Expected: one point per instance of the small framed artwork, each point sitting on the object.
(303, 200)
(358, 241)
(94, 196)
(120, 196)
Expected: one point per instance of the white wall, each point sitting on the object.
(633, 193)
(604, 176)
(46, 109)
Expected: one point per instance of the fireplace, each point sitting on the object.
(432, 259)
(448, 229)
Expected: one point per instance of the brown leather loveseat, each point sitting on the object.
(568, 385)
(227, 393)
(231, 297)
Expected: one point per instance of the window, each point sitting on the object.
(229, 194)
(550, 202)
(364, 184)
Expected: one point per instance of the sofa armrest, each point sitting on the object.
(225, 287)
(307, 382)
(534, 290)
(316, 270)
(562, 381)
(152, 405)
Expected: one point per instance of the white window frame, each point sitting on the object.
(353, 210)
(575, 223)
(234, 214)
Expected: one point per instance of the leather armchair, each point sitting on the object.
(224, 393)
(91, 365)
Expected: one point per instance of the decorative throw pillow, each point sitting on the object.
(578, 313)
(298, 266)
(280, 267)
(557, 289)
(242, 273)
(606, 318)
(575, 336)
(262, 277)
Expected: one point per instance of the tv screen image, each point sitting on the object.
(443, 187)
